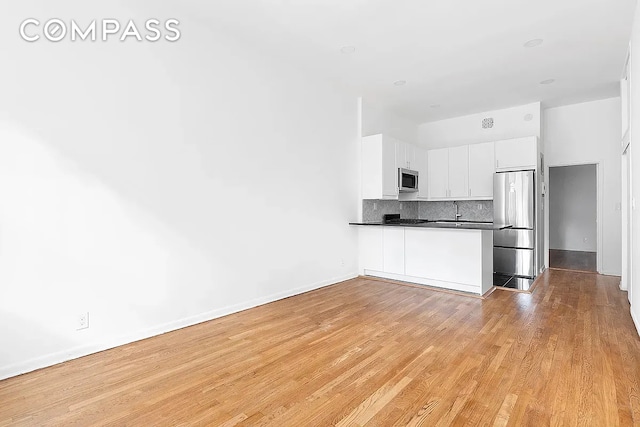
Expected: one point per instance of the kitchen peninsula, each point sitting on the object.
(455, 255)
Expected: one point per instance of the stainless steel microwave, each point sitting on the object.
(407, 180)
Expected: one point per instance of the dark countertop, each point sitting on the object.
(463, 225)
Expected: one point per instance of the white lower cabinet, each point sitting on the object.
(370, 250)
(393, 250)
(456, 259)
(444, 255)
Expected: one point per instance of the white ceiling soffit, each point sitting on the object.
(462, 56)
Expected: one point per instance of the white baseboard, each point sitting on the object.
(429, 282)
(636, 321)
(610, 273)
(84, 350)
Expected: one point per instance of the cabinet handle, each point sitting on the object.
(497, 163)
(469, 191)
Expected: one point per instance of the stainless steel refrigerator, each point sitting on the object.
(514, 248)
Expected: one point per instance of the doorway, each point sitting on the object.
(573, 217)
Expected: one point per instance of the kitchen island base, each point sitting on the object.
(457, 259)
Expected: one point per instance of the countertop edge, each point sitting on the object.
(487, 227)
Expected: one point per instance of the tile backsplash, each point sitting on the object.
(373, 210)
(471, 210)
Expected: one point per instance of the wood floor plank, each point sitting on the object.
(364, 352)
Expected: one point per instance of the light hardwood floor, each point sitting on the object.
(365, 352)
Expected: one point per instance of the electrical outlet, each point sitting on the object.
(375, 206)
(342, 262)
(400, 206)
(479, 206)
(82, 321)
(584, 240)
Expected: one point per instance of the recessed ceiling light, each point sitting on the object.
(547, 82)
(348, 49)
(400, 82)
(434, 105)
(533, 43)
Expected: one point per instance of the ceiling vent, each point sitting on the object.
(487, 123)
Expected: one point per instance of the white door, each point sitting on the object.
(459, 172)
(481, 170)
(438, 172)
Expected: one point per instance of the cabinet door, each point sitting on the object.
(518, 153)
(410, 156)
(423, 173)
(405, 155)
(481, 169)
(393, 244)
(370, 252)
(389, 170)
(438, 172)
(459, 172)
(401, 152)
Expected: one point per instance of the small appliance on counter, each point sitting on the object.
(514, 248)
(395, 219)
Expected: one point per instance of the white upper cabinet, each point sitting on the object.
(382, 156)
(481, 169)
(438, 168)
(449, 173)
(379, 171)
(518, 153)
(421, 165)
(459, 172)
(405, 155)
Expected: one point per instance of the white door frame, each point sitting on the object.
(599, 208)
(627, 224)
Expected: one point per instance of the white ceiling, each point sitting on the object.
(466, 55)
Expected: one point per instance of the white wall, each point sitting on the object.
(634, 286)
(379, 119)
(508, 123)
(590, 133)
(159, 185)
(572, 208)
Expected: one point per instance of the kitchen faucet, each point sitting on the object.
(458, 215)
